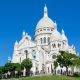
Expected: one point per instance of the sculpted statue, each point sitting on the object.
(9, 59)
(33, 54)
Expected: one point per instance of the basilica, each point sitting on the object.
(45, 47)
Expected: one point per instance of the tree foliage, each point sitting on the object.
(9, 67)
(17, 67)
(66, 59)
(27, 63)
(55, 64)
(2, 71)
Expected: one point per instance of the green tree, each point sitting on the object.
(55, 65)
(76, 62)
(27, 63)
(66, 59)
(9, 67)
(17, 67)
(2, 71)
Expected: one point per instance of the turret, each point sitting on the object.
(55, 25)
(65, 41)
(72, 46)
(63, 36)
(16, 43)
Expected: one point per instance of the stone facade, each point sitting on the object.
(45, 47)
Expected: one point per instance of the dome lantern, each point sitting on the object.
(45, 11)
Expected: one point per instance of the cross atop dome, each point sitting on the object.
(45, 11)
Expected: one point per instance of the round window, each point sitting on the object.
(54, 56)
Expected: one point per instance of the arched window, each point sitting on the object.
(41, 40)
(40, 29)
(48, 39)
(53, 45)
(26, 52)
(20, 59)
(63, 43)
(58, 45)
(44, 39)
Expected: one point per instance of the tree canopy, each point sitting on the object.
(17, 67)
(27, 63)
(55, 65)
(9, 67)
(2, 71)
(66, 59)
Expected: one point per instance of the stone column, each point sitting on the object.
(33, 66)
(24, 72)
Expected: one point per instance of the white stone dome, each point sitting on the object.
(45, 22)
(55, 36)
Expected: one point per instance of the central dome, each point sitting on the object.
(45, 21)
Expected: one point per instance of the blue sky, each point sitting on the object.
(19, 15)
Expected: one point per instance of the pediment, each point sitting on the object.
(25, 43)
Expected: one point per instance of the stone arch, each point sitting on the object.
(44, 39)
(48, 39)
(58, 45)
(20, 59)
(41, 41)
(26, 52)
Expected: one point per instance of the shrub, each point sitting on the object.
(76, 74)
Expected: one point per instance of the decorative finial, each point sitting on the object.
(55, 25)
(45, 4)
(62, 31)
(45, 11)
(16, 43)
(23, 32)
(72, 45)
(26, 33)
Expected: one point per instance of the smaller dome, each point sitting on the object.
(55, 36)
